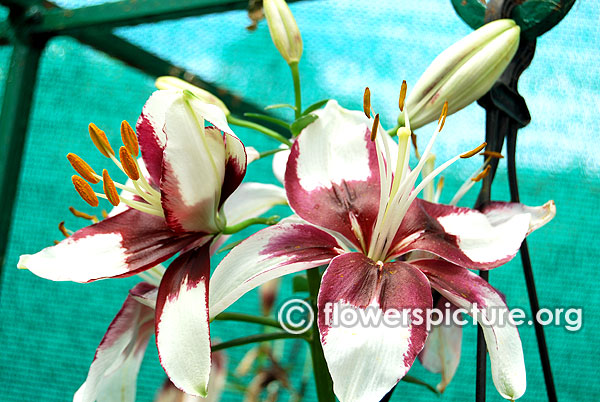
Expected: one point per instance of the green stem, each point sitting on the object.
(248, 318)
(254, 339)
(297, 93)
(261, 129)
(323, 382)
(270, 152)
(268, 118)
(271, 220)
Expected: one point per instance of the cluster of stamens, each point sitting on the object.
(127, 163)
(397, 183)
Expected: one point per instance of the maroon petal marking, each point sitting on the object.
(464, 236)
(182, 330)
(323, 197)
(368, 357)
(113, 373)
(118, 246)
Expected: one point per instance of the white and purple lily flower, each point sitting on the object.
(195, 163)
(358, 213)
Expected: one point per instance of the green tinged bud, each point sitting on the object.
(167, 82)
(463, 73)
(283, 29)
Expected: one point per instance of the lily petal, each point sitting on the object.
(113, 373)
(251, 200)
(182, 331)
(216, 385)
(235, 166)
(366, 359)
(467, 237)
(150, 132)
(193, 168)
(270, 253)
(464, 288)
(280, 162)
(441, 353)
(332, 174)
(119, 246)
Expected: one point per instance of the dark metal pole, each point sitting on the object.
(511, 145)
(14, 120)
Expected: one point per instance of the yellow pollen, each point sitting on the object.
(402, 96)
(443, 115)
(493, 154)
(110, 189)
(129, 139)
(104, 214)
(82, 168)
(375, 126)
(83, 215)
(100, 141)
(63, 229)
(85, 190)
(128, 164)
(483, 174)
(367, 102)
(474, 151)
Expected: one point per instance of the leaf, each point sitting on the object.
(279, 106)
(300, 283)
(267, 118)
(314, 106)
(415, 380)
(298, 125)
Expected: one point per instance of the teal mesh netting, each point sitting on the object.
(50, 330)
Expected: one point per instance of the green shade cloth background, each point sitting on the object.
(50, 330)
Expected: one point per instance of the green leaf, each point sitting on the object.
(298, 125)
(415, 380)
(279, 106)
(270, 119)
(299, 283)
(314, 106)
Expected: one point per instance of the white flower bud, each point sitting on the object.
(283, 29)
(167, 82)
(463, 73)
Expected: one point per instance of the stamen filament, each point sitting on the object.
(140, 206)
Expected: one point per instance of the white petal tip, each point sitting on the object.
(22, 264)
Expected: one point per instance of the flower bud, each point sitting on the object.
(463, 73)
(283, 29)
(167, 82)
